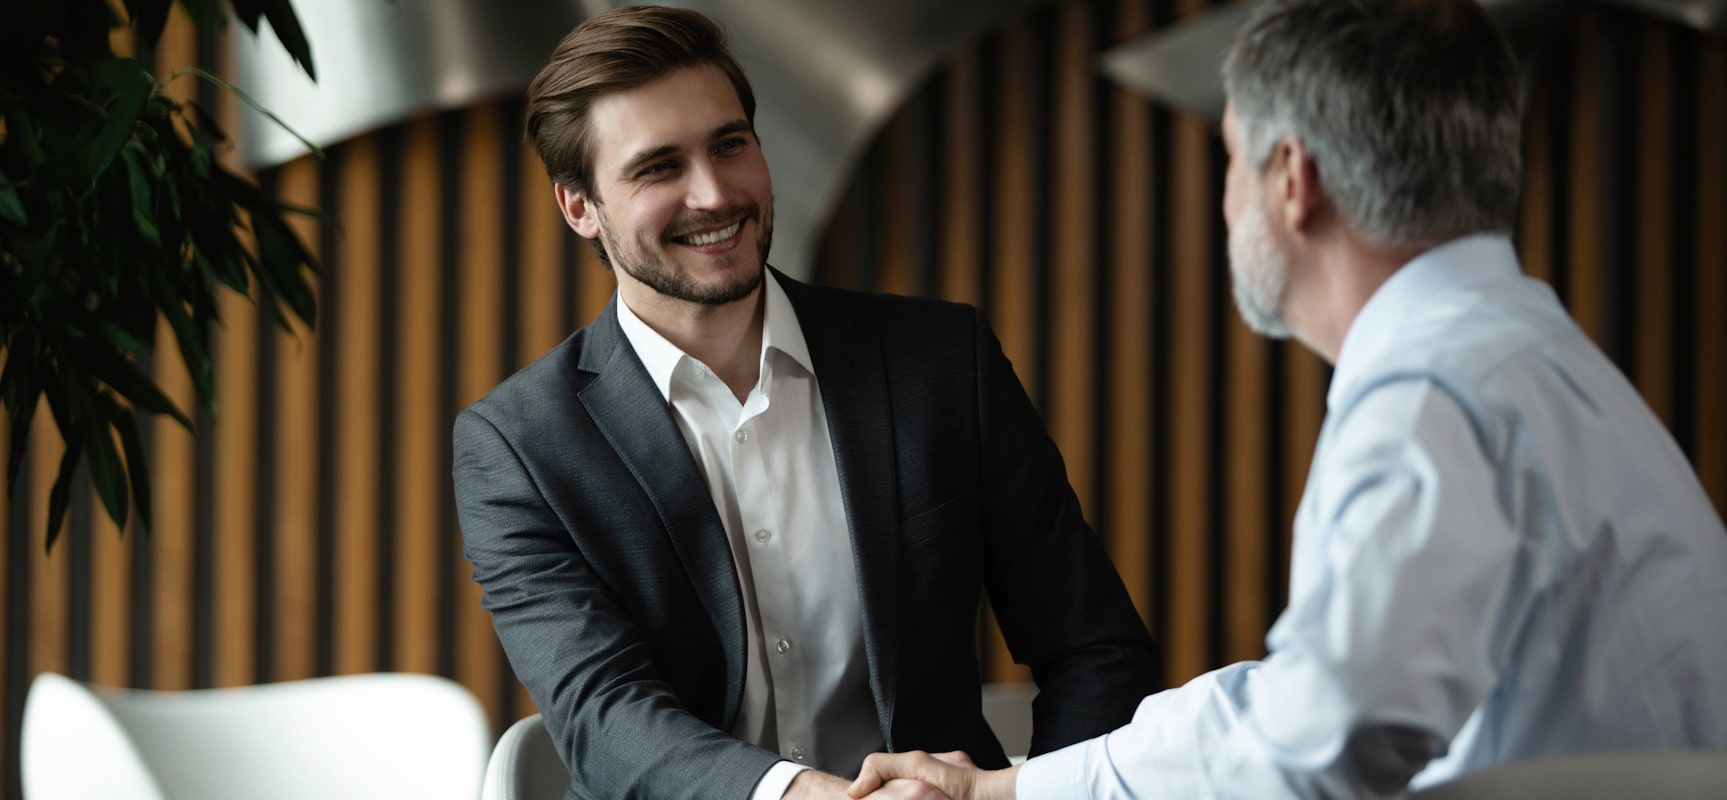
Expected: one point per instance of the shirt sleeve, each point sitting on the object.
(1384, 652)
(778, 778)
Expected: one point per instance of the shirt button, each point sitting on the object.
(741, 436)
(783, 646)
(763, 536)
(798, 752)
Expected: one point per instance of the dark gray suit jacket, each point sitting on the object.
(611, 584)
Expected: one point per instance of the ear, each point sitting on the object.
(1299, 195)
(580, 214)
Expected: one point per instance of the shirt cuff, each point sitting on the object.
(773, 785)
(1060, 773)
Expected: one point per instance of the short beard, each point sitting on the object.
(1259, 272)
(663, 277)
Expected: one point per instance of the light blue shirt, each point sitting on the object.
(1500, 554)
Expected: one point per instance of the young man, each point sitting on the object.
(739, 526)
(1500, 554)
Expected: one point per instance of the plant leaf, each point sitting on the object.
(280, 13)
(132, 85)
(59, 497)
(248, 12)
(107, 472)
(21, 407)
(138, 469)
(204, 13)
(149, 17)
(11, 206)
(282, 254)
(125, 377)
(120, 338)
(189, 336)
(211, 77)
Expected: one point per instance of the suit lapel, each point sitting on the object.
(850, 370)
(633, 416)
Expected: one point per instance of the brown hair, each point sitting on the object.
(613, 52)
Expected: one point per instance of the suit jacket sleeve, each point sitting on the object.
(1061, 605)
(618, 726)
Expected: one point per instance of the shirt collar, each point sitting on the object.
(1411, 288)
(780, 331)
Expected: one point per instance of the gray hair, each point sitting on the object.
(1410, 110)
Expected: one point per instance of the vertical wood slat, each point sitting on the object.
(357, 377)
(48, 571)
(171, 537)
(1652, 223)
(1010, 301)
(110, 589)
(895, 209)
(1711, 296)
(1584, 257)
(8, 649)
(1072, 377)
(1131, 403)
(419, 435)
(1186, 518)
(959, 213)
(236, 479)
(482, 322)
(297, 513)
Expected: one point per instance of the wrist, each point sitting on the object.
(997, 784)
(813, 785)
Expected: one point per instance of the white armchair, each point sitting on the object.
(525, 765)
(383, 735)
(1656, 774)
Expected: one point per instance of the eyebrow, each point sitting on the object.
(646, 157)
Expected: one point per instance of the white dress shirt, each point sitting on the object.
(770, 467)
(1500, 554)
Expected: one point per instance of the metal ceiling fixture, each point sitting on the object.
(827, 74)
(1181, 65)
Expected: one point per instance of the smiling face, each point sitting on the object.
(681, 195)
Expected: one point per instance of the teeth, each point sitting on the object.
(714, 236)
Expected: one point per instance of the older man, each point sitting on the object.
(1500, 553)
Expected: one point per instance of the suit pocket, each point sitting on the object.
(942, 522)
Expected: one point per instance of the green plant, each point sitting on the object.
(114, 213)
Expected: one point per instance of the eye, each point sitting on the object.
(730, 144)
(656, 169)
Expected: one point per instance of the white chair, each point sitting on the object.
(525, 765)
(383, 735)
(1654, 775)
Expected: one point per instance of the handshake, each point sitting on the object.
(911, 776)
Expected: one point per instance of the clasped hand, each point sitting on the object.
(941, 775)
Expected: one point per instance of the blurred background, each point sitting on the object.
(980, 153)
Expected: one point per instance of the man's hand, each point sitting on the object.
(952, 773)
(813, 785)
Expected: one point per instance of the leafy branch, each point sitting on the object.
(116, 213)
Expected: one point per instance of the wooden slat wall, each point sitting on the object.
(309, 528)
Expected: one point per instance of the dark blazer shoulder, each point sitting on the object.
(897, 316)
(549, 384)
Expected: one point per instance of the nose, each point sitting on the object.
(707, 187)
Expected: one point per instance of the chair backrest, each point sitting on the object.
(380, 735)
(525, 765)
(1655, 775)
(1007, 709)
